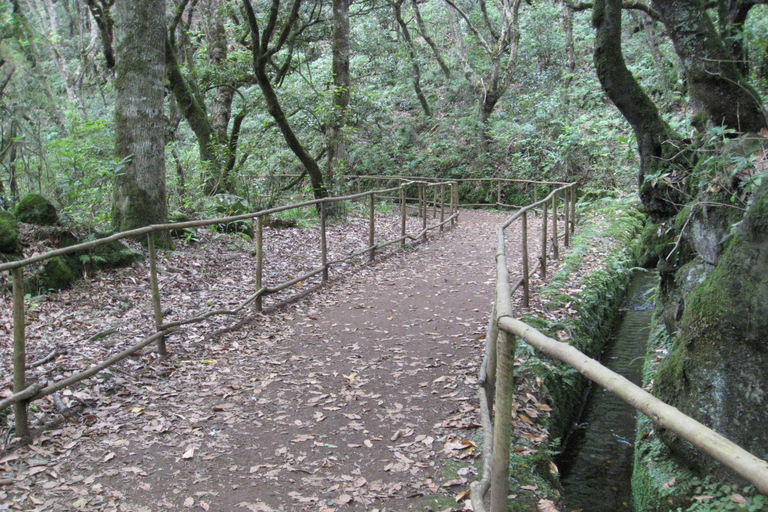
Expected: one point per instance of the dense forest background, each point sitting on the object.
(480, 89)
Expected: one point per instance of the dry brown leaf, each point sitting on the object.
(462, 496)
(738, 498)
(546, 506)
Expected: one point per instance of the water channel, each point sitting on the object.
(597, 463)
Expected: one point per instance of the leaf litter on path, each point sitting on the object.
(354, 398)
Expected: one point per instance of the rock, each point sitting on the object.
(716, 373)
(113, 254)
(36, 209)
(56, 274)
(9, 233)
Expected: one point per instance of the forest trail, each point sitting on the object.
(358, 397)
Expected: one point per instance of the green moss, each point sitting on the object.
(715, 370)
(9, 233)
(114, 254)
(36, 209)
(56, 274)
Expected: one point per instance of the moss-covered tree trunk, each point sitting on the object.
(216, 148)
(139, 192)
(657, 144)
(263, 49)
(342, 82)
(716, 86)
(412, 55)
(397, 8)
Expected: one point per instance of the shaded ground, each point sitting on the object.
(359, 397)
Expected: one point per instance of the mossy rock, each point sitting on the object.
(55, 236)
(56, 274)
(9, 233)
(113, 254)
(36, 209)
(716, 374)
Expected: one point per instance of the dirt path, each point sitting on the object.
(360, 397)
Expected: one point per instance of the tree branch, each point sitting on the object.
(472, 27)
(627, 4)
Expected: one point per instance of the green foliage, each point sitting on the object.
(711, 495)
(305, 218)
(86, 172)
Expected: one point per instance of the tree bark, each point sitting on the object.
(139, 193)
(262, 54)
(101, 12)
(716, 86)
(425, 35)
(657, 144)
(397, 7)
(336, 160)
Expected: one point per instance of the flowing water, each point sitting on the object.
(597, 463)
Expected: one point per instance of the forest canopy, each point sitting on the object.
(268, 96)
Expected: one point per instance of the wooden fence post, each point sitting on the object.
(372, 227)
(454, 201)
(403, 214)
(259, 303)
(423, 194)
(555, 242)
(573, 209)
(504, 395)
(566, 212)
(498, 192)
(526, 283)
(323, 242)
(442, 206)
(535, 195)
(19, 354)
(156, 307)
(544, 242)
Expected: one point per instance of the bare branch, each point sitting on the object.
(627, 4)
(472, 26)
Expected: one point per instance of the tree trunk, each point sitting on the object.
(425, 35)
(657, 144)
(100, 10)
(221, 106)
(716, 86)
(262, 53)
(396, 6)
(336, 161)
(276, 111)
(139, 194)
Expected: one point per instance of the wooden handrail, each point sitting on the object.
(24, 394)
(495, 374)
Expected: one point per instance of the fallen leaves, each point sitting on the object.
(341, 412)
(546, 506)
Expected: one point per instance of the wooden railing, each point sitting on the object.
(24, 394)
(496, 388)
(499, 184)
